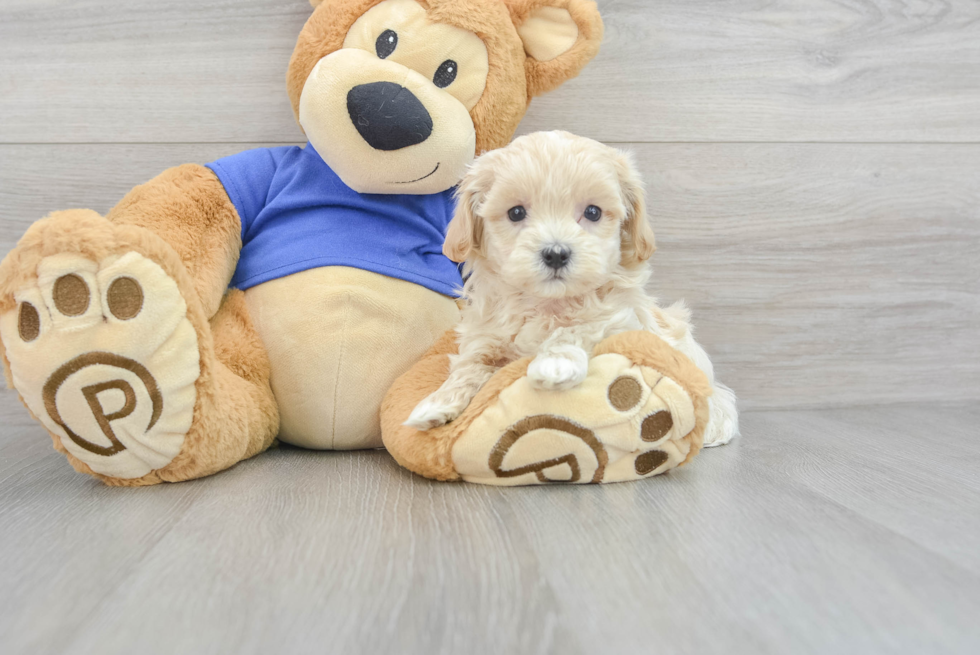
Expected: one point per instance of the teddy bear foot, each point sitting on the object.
(641, 410)
(108, 345)
(624, 422)
(103, 354)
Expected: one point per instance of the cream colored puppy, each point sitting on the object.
(555, 238)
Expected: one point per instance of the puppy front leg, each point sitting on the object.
(563, 359)
(560, 367)
(467, 375)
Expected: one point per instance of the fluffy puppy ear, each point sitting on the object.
(560, 37)
(638, 242)
(465, 233)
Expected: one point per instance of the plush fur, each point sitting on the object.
(189, 205)
(431, 456)
(660, 356)
(544, 76)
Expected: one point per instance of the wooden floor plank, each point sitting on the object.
(727, 554)
(341, 550)
(909, 468)
(791, 70)
(669, 70)
(748, 549)
(67, 542)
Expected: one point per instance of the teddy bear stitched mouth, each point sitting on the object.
(423, 177)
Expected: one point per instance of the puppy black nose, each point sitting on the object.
(556, 257)
(388, 116)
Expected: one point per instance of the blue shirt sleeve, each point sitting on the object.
(247, 178)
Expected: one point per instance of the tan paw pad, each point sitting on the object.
(104, 355)
(624, 422)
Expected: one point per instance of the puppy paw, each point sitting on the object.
(431, 413)
(558, 371)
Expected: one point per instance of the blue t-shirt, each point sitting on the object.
(296, 215)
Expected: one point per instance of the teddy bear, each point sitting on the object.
(279, 293)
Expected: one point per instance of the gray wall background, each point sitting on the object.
(813, 165)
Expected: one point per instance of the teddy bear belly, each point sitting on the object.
(337, 338)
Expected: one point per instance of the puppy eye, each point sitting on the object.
(386, 44)
(593, 213)
(517, 214)
(445, 74)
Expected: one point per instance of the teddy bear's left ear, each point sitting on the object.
(560, 37)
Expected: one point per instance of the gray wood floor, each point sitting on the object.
(822, 531)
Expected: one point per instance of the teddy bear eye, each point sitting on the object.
(445, 74)
(593, 213)
(517, 214)
(386, 44)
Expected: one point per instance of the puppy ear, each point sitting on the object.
(465, 233)
(637, 235)
(560, 37)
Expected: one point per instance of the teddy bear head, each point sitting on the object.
(398, 96)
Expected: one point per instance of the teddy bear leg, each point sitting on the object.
(641, 410)
(107, 342)
(237, 416)
(188, 208)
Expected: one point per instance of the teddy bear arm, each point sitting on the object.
(188, 207)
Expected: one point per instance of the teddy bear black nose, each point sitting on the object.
(388, 116)
(556, 257)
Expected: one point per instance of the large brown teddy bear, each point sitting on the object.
(120, 332)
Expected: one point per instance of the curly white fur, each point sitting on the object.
(517, 306)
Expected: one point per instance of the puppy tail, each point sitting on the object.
(675, 321)
(723, 419)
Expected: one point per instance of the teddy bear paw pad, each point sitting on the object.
(624, 422)
(104, 355)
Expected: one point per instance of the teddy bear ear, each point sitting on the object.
(560, 37)
(316, 3)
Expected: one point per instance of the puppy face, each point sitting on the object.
(553, 215)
